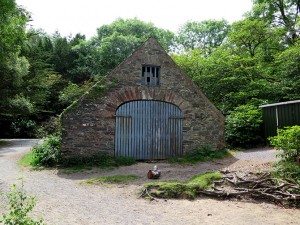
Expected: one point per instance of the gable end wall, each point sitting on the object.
(90, 129)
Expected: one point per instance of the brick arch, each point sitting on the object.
(127, 94)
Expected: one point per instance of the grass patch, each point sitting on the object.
(3, 143)
(200, 155)
(205, 180)
(29, 160)
(117, 179)
(187, 190)
(75, 165)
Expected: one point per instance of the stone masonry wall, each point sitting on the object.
(89, 129)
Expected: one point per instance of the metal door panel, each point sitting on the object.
(148, 129)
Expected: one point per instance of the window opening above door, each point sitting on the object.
(150, 75)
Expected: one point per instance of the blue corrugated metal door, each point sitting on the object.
(148, 129)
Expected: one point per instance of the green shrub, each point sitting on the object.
(49, 127)
(288, 141)
(287, 171)
(29, 159)
(243, 126)
(203, 154)
(48, 153)
(19, 205)
(70, 93)
(23, 127)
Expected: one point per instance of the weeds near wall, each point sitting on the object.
(48, 153)
(73, 165)
(203, 154)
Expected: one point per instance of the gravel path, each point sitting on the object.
(61, 199)
(263, 154)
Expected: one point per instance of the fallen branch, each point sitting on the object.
(145, 193)
(263, 187)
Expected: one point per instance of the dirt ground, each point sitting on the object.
(61, 199)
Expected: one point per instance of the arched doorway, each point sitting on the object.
(148, 129)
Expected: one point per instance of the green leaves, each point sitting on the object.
(288, 141)
(206, 35)
(243, 126)
(249, 34)
(138, 29)
(119, 39)
(279, 13)
(20, 105)
(116, 48)
(12, 28)
(70, 93)
(256, 58)
(19, 206)
(48, 153)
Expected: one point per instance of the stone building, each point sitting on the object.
(148, 109)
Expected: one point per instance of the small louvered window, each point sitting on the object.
(150, 75)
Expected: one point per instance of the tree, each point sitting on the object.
(279, 13)
(119, 39)
(62, 54)
(241, 70)
(249, 34)
(137, 29)
(114, 49)
(38, 50)
(192, 63)
(13, 67)
(12, 35)
(86, 63)
(243, 126)
(206, 35)
(287, 64)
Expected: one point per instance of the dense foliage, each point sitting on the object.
(48, 153)
(257, 62)
(243, 126)
(238, 66)
(287, 142)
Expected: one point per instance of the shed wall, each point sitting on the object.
(288, 115)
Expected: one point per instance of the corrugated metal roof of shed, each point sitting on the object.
(279, 103)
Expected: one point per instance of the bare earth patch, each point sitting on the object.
(61, 199)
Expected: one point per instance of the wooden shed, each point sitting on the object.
(147, 109)
(280, 115)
